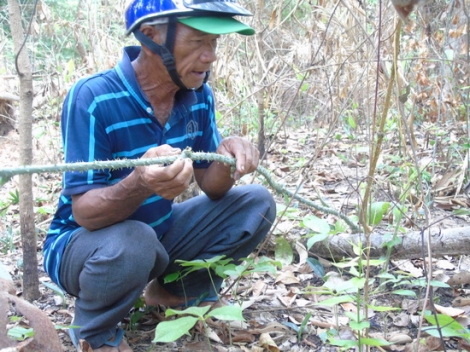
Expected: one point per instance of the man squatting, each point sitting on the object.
(117, 232)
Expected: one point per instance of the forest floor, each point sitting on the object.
(282, 312)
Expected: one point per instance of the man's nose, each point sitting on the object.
(209, 54)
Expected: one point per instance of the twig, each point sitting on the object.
(7, 173)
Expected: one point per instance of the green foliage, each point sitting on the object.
(139, 310)
(7, 241)
(320, 229)
(445, 326)
(169, 331)
(316, 266)
(376, 212)
(303, 325)
(20, 334)
(14, 197)
(283, 252)
(225, 267)
(57, 290)
(339, 291)
(250, 266)
(172, 330)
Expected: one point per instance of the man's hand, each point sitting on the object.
(101, 207)
(165, 181)
(243, 151)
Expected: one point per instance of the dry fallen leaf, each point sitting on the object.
(461, 302)
(288, 299)
(287, 278)
(445, 264)
(408, 266)
(252, 349)
(458, 279)
(242, 336)
(427, 344)
(345, 333)
(302, 251)
(349, 307)
(450, 311)
(464, 345)
(402, 319)
(212, 335)
(268, 343)
(410, 305)
(196, 346)
(399, 338)
(258, 288)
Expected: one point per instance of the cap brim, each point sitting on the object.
(217, 25)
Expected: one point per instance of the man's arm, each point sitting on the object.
(216, 180)
(106, 206)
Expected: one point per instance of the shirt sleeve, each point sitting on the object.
(211, 136)
(84, 138)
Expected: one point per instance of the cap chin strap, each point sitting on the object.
(166, 52)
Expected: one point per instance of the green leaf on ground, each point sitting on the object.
(316, 266)
(283, 252)
(169, 331)
(229, 313)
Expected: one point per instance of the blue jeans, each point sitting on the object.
(108, 269)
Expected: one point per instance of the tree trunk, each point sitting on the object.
(28, 233)
(260, 85)
(455, 241)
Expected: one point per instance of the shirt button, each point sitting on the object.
(149, 110)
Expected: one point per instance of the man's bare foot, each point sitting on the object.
(155, 295)
(123, 347)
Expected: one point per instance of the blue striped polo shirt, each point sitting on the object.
(107, 117)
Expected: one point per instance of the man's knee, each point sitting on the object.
(136, 247)
(259, 196)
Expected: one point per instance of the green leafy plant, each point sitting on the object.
(172, 330)
(14, 197)
(169, 331)
(139, 310)
(57, 290)
(248, 267)
(7, 241)
(341, 291)
(376, 212)
(20, 333)
(225, 268)
(211, 265)
(283, 252)
(445, 326)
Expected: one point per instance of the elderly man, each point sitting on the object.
(117, 231)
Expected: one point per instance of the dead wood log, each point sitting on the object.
(454, 241)
(45, 336)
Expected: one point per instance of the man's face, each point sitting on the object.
(194, 52)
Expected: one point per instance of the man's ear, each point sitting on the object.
(153, 33)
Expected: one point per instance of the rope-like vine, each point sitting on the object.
(7, 173)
